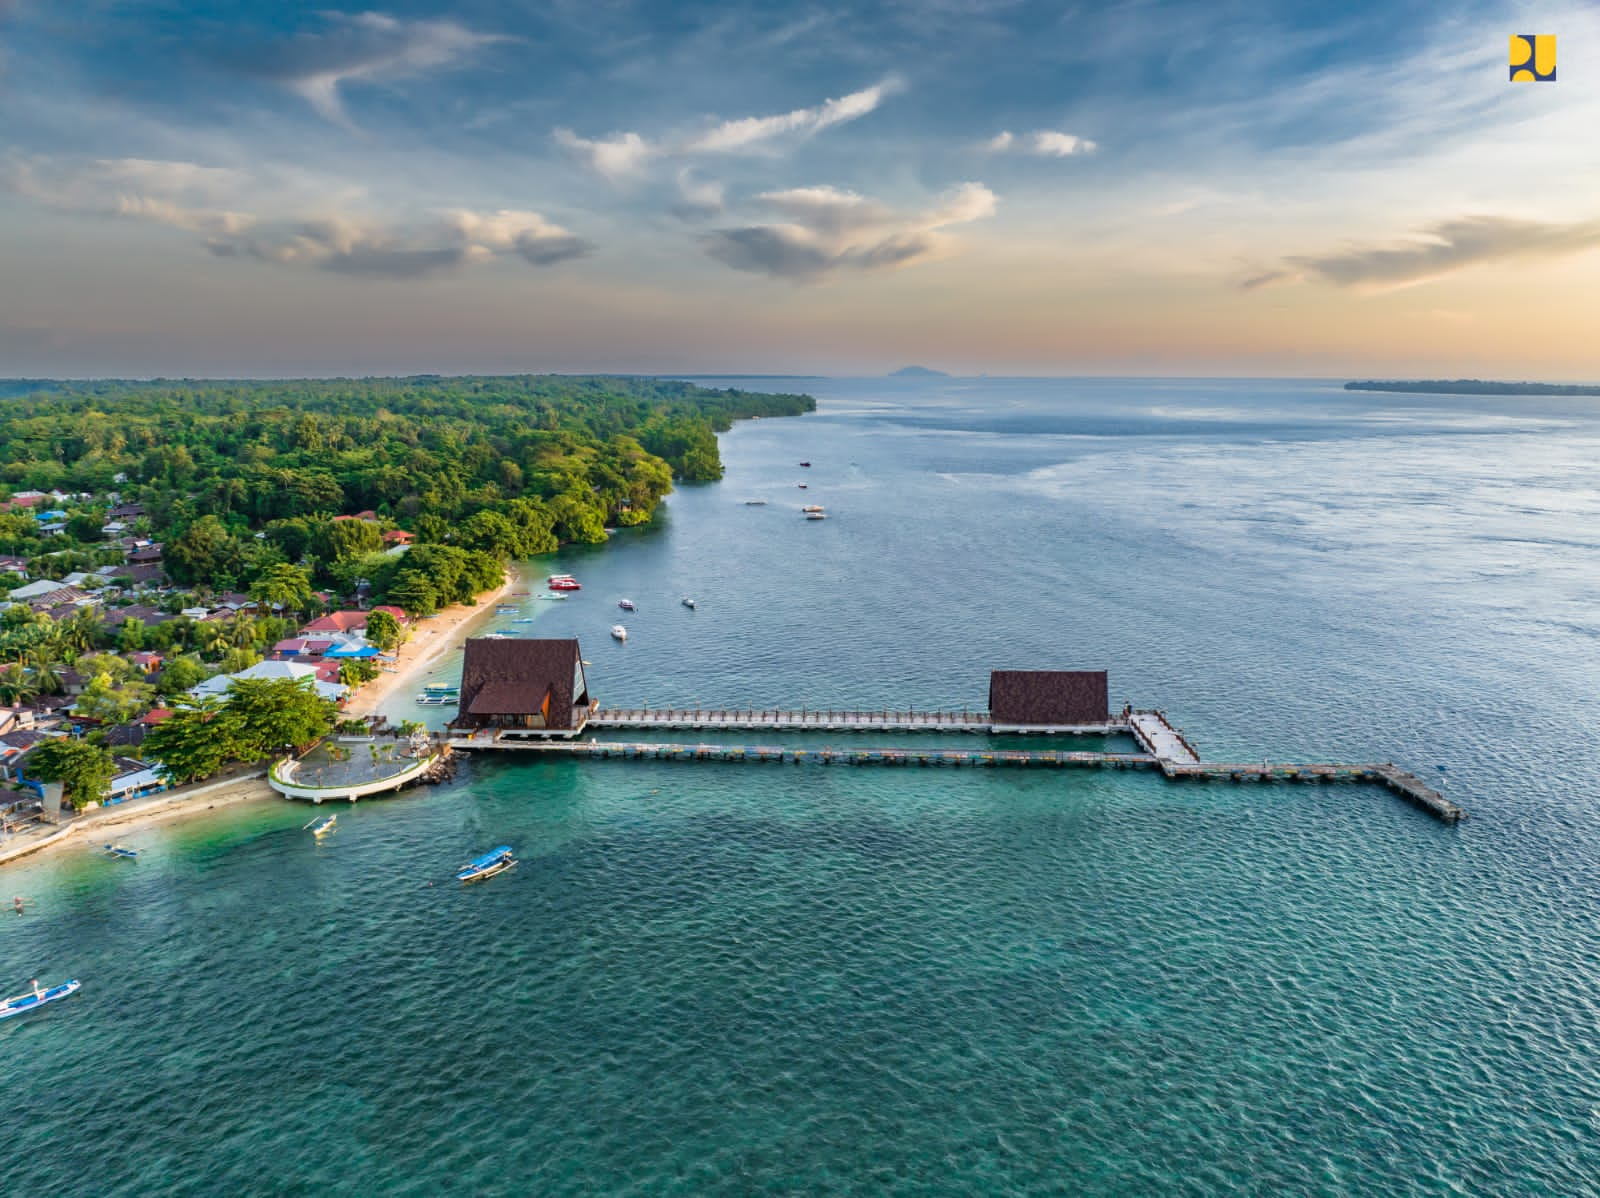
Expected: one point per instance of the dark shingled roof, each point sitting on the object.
(1048, 697)
(512, 677)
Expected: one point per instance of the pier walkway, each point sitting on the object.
(829, 720)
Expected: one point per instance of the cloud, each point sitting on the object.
(747, 132)
(699, 199)
(361, 47)
(1042, 143)
(622, 156)
(829, 231)
(618, 157)
(377, 250)
(1441, 249)
(184, 195)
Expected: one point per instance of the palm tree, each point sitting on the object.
(17, 685)
(242, 631)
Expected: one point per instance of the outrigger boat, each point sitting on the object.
(438, 700)
(36, 998)
(321, 827)
(441, 688)
(120, 850)
(495, 861)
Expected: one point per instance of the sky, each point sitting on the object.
(1152, 187)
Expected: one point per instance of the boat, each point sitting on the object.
(519, 594)
(36, 998)
(495, 861)
(439, 700)
(566, 584)
(689, 603)
(802, 486)
(505, 609)
(441, 688)
(815, 516)
(626, 604)
(120, 850)
(321, 827)
(812, 507)
(524, 620)
(755, 503)
(805, 463)
(618, 631)
(553, 596)
(495, 636)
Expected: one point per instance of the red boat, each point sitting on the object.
(564, 582)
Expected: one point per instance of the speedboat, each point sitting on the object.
(815, 516)
(120, 850)
(618, 631)
(689, 603)
(495, 861)
(812, 507)
(563, 582)
(36, 998)
(321, 827)
(626, 604)
(802, 486)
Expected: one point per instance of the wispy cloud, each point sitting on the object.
(829, 231)
(184, 195)
(698, 199)
(621, 156)
(1044, 143)
(1441, 249)
(363, 47)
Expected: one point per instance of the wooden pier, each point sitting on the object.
(831, 720)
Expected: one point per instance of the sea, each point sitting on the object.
(716, 979)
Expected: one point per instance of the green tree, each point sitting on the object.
(275, 712)
(109, 703)
(283, 586)
(194, 742)
(180, 674)
(384, 631)
(84, 770)
(413, 592)
(206, 554)
(357, 671)
(17, 684)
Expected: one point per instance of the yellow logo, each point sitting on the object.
(1533, 58)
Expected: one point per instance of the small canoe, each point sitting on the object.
(36, 998)
(495, 861)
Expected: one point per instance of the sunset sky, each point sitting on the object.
(209, 188)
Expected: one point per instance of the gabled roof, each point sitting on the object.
(337, 621)
(512, 677)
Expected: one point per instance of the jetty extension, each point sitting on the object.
(532, 696)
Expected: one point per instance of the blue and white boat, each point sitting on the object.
(36, 998)
(120, 850)
(495, 861)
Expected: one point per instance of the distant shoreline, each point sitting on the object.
(1472, 387)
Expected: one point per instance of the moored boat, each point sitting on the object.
(626, 604)
(557, 596)
(563, 582)
(505, 609)
(523, 620)
(805, 463)
(619, 632)
(688, 602)
(439, 700)
(816, 516)
(496, 860)
(21, 1004)
(812, 507)
(441, 688)
(120, 850)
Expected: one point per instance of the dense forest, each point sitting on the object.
(239, 479)
(1472, 387)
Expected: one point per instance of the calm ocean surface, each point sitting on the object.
(711, 979)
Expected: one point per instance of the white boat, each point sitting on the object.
(618, 631)
(441, 688)
(812, 507)
(815, 516)
(506, 609)
(689, 603)
(120, 850)
(524, 620)
(626, 604)
(553, 597)
(438, 700)
(321, 827)
(21, 1004)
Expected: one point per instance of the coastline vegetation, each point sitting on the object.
(1471, 387)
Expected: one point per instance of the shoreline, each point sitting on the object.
(425, 646)
(429, 641)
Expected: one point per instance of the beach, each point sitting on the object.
(428, 640)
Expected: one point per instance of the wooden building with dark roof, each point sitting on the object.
(1048, 698)
(523, 687)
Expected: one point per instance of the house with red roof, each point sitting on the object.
(345, 622)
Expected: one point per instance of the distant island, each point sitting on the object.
(918, 372)
(1473, 387)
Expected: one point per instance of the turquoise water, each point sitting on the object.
(708, 979)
